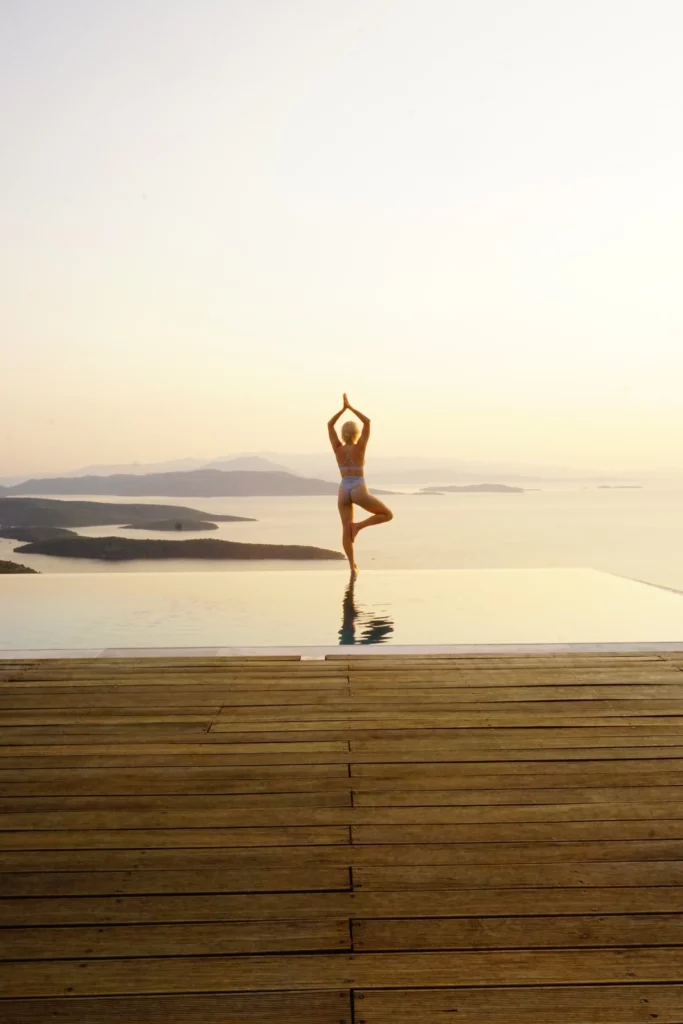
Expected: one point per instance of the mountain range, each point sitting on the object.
(198, 483)
(398, 470)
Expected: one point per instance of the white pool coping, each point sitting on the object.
(341, 651)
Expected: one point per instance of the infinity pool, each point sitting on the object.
(321, 609)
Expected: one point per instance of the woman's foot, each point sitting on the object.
(355, 527)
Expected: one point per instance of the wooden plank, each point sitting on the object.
(57, 734)
(207, 746)
(409, 756)
(397, 678)
(99, 910)
(83, 719)
(565, 832)
(201, 858)
(174, 775)
(311, 675)
(507, 876)
(182, 858)
(410, 790)
(39, 839)
(515, 738)
(596, 931)
(186, 686)
(163, 817)
(560, 1004)
(209, 756)
(541, 773)
(113, 883)
(510, 853)
(405, 709)
(450, 781)
(435, 789)
(457, 722)
(532, 666)
(113, 697)
(189, 663)
(118, 695)
(424, 797)
(321, 796)
(203, 939)
(391, 735)
(520, 832)
(171, 781)
(459, 691)
(324, 971)
(217, 1008)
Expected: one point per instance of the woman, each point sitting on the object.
(350, 454)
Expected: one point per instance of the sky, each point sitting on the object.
(217, 216)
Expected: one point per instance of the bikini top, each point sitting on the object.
(345, 465)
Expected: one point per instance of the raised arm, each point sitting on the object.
(365, 420)
(333, 435)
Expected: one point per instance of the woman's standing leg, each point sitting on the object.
(346, 515)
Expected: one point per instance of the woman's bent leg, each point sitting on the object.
(381, 513)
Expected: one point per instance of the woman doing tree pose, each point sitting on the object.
(350, 454)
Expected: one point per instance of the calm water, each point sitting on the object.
(632, 533)
(290, 608)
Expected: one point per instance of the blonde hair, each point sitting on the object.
(350, 432)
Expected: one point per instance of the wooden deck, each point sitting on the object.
(357, 841)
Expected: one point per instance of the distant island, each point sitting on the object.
(14, 569)
(199, 483)
(123, 549)
(56, 513)
(474, 488)
(35, 534)
(172, 525)
(620, 487)
(41, 524)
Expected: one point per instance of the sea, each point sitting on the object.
(637, 533)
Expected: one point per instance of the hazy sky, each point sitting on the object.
(216, 215)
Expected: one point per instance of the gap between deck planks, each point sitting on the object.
(435, 823)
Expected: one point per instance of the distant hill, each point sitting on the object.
(14, 568)
(201, 483)
(34, 534)
(124, 549)
(51, 512)
(248, 463)
(134, 468)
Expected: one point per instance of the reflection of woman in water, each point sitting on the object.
(376, 630)
(350, 454)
